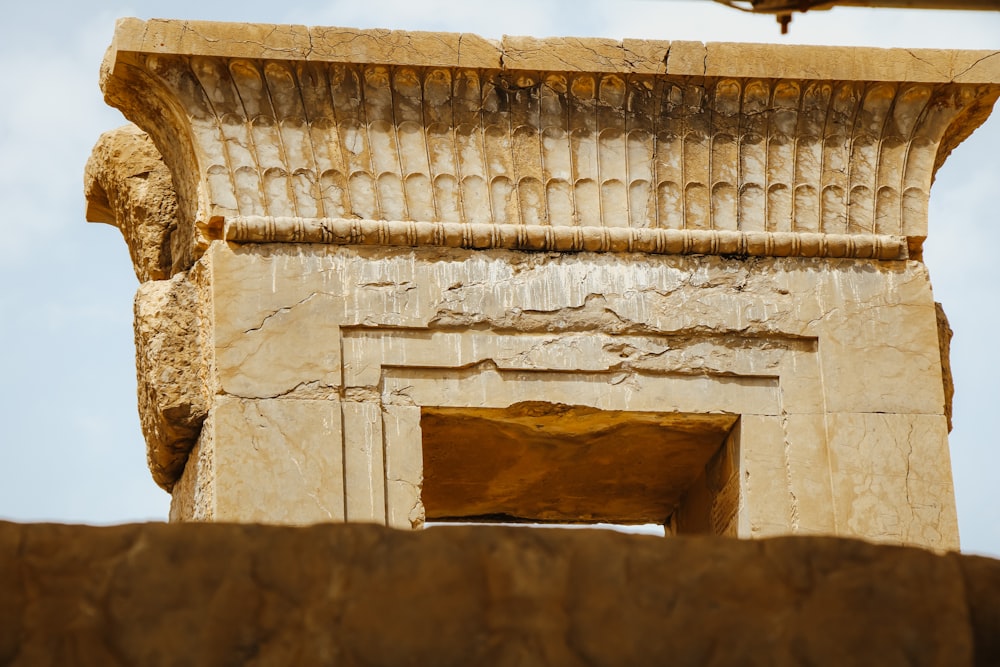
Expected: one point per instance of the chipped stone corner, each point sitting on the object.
(192, 497)
(944, 342)
(173, 368)
(127, 185)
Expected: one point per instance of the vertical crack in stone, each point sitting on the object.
(790, 478)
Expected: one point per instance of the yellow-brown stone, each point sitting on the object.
(365, 595)
(387, 244)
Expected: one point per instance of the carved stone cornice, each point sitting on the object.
(719, 141)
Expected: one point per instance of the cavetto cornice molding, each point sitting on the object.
(653, 141)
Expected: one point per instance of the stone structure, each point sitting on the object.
(365, 595)
(389, 277)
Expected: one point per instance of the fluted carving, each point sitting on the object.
(334, 140)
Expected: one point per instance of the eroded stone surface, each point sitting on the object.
(944, 340)
(128, 186)
(781, 346)
(365, 595)
(173, 371)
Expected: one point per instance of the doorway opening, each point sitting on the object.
(543, 463)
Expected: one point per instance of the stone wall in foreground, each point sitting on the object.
(366, 595)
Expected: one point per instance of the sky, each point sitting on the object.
(71, 446)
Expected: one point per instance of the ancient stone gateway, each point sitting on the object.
(391, 277)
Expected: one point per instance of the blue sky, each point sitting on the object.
(71, 446)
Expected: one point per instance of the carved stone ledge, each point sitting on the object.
(258, 229)
(319, 123)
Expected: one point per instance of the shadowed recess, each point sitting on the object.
(551, 462)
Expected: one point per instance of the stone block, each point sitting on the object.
(364, 461)
(852, 63)
(406, 48)
(211, 38)
(403, 466)
(277, 461)
(808, 473)
(327, 314)
(504, 158)
(354, 594)
(564, 54)
(892, 478)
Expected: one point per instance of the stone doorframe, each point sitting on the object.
(392, 374)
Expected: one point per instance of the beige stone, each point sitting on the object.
(399, 47)
(645, 357)
(462, 131)
(395, 47)
(852, 63)
(944, 343)
(878, 457)
(562, 279)
(128, 186)
(403, 467)
(276, 461)
(365, 595)
(364, 462)
(397, 277)
(807, 461)
(173, 371)
(570, 54)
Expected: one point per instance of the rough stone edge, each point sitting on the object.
(363, 594)
(945, 335)
(173, 369)
(193, 496)
(440, 49)
(127, 185)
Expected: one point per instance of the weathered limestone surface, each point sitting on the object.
(388, 244)
(394, 276)
(833, 371)
(944, 338)
(364, 595)
(173, 370)
(128, 185)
